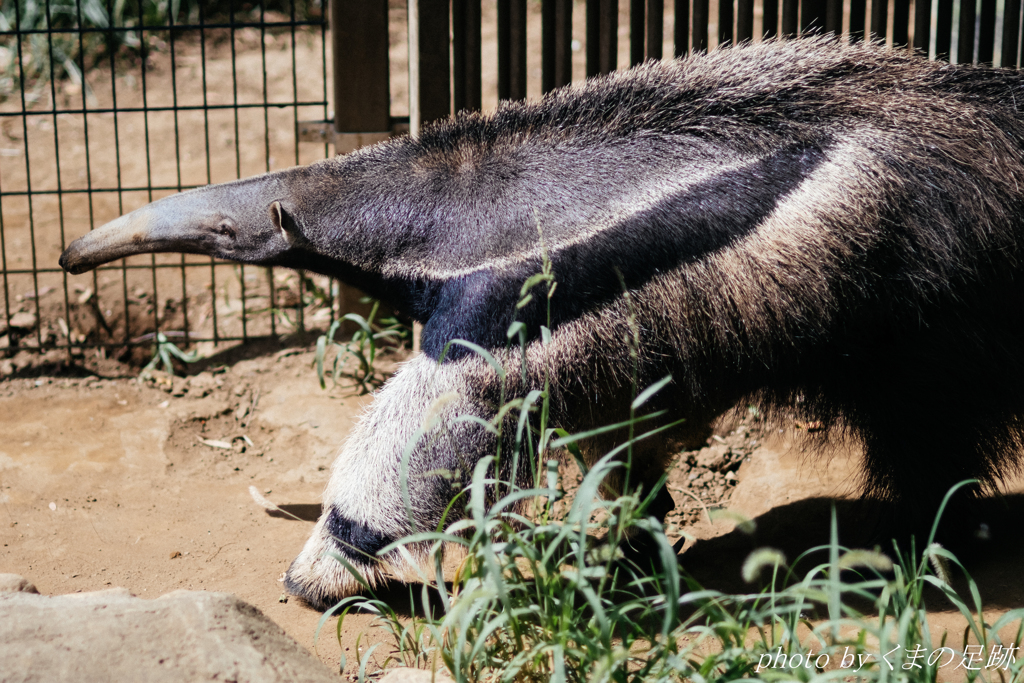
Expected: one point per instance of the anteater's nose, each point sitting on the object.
(355, 540)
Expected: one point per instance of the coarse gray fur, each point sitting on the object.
(813, 226)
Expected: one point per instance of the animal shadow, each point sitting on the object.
(983, 534)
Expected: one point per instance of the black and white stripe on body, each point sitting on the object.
(791, 219)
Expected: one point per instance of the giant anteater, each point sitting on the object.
(835, 229)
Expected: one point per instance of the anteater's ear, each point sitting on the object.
(283, 222)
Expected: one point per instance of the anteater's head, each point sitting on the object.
(401, 472)
(244, 221)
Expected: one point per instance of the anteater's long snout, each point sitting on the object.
(130, 234)
(151, 229)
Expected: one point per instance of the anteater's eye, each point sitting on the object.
(226, 228)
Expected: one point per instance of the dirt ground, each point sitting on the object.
(106, 481)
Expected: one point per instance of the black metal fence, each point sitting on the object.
(104, 110)
(108, 104)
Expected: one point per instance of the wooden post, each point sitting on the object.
(429, 65)
(745, 20)
(602, 36)
(655, 28)
(812, 16)
(901, 23)
(965, 41)
(987, 32)
(879, 18)
(944, 30)
(790, 18)
(362, 96)
(834, 17)
(512, 49)
(637, 24)
(1011, 33)
(681, 29)
(700, 25)
(466, 54)
(923, 25)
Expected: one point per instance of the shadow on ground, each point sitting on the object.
(801, 530)
(984, 535)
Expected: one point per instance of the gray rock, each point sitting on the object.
(113, 636)
(13, 583)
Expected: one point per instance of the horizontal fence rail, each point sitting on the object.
(105, 106)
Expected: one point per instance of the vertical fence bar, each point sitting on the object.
(681, 28)
(900, 22)
(28, 166)
(149, 177)
(3, 258)
(965, 39)
(466, 54)
(120, 184)
(1011, 33)
(178, 183)
(834, 17)
(602, 36)
(858, 12)
(517, 50)
(790, 18)
(504, 10)
(3, 242)
(359, 55)
(987, 32)
(272, 305)
(944, 30)
(1020, 54)
(701, 12)
(209, 169)
(812, 16)
(879, 19)
(334, 292)
(725, 21)
(637, 31)
(923, 25)
(511, 49)
(593, 39)
(240, 269)
(429, 65)
(556, 44)
(57, 168)
(655, 28)
(609, 35)
(744, 21)
(272, 300)
(770, 18)
(88, 157)
(323, 85)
